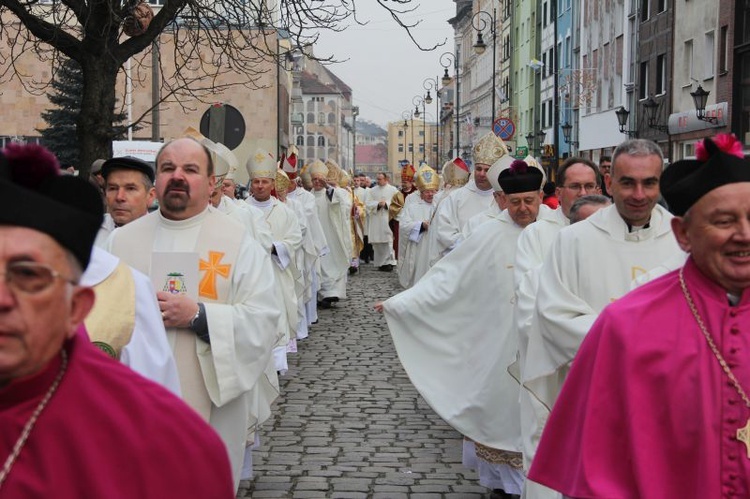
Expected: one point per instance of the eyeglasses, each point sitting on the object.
(31, 277)
(579, 187)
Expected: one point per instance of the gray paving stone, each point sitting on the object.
(348, 423)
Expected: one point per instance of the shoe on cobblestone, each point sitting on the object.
(386, 268)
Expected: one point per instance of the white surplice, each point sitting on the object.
(455, 336)
(218, 379)
(492, 212)
(147, 352)
(412, 241)
(533, 245)
(250, 217)
(315, 246)
(380, 234)
(334, 214)
(287, 241)
(453, 212)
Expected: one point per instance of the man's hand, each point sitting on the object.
(425, 226)
(378, 307)
(176, 310)
(382, 205)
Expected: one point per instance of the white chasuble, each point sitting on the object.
(287, 242)
(590, 264)
(452, 214)
(533, 245)
(250, 217)
(334, 215)
(454, 334)
(380, 231)
(412, 241)
(236, 287)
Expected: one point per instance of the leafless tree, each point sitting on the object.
(208, 39)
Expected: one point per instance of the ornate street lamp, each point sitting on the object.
(622, 120)
(480, 21)
(432, 84)
(446, 58)
(652, 107)
(417, 100)
(700, 98)
(405, 115)
(567, 128)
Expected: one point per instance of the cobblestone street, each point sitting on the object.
(349, 424)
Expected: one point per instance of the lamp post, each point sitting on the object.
(355, 113)
(445, 60)
(652, 107)
(567, 128)
(530, 142)
(622, 120)
(479, 22)
(405, 115)
(700, 98)
(432, 84)
(417, 100)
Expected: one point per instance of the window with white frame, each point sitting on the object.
(723, 47)
(645, 8)
(643, 81)
(661, 74)
(708, 56)
(687, 62)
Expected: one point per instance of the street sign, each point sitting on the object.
(504, 128)
(521, 152)
(223, 123)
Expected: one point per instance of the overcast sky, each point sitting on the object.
(384, 68)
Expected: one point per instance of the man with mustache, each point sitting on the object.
(61, 399)
(222, 333)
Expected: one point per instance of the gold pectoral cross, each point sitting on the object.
(743, 435)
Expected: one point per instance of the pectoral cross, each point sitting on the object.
(743, 435)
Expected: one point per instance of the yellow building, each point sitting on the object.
(411, 140)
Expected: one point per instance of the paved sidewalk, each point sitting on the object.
(349, 424)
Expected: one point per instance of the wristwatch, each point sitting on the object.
(196, 318)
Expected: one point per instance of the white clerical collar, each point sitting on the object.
(472, 186)
(183, 224)
(261, 204)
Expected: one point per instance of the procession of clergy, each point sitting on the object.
(517, 323)
(522, 326)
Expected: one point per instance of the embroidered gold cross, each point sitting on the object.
(207, 286)
(743, 435)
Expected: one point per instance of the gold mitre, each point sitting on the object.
(261, 165)
(531, 161)
(334, 171)
(344, 179)
(318, 168)
(282, 181)
(447, 173)
(305, 176)
(193, 134)
(489, 149)
(427, 179)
